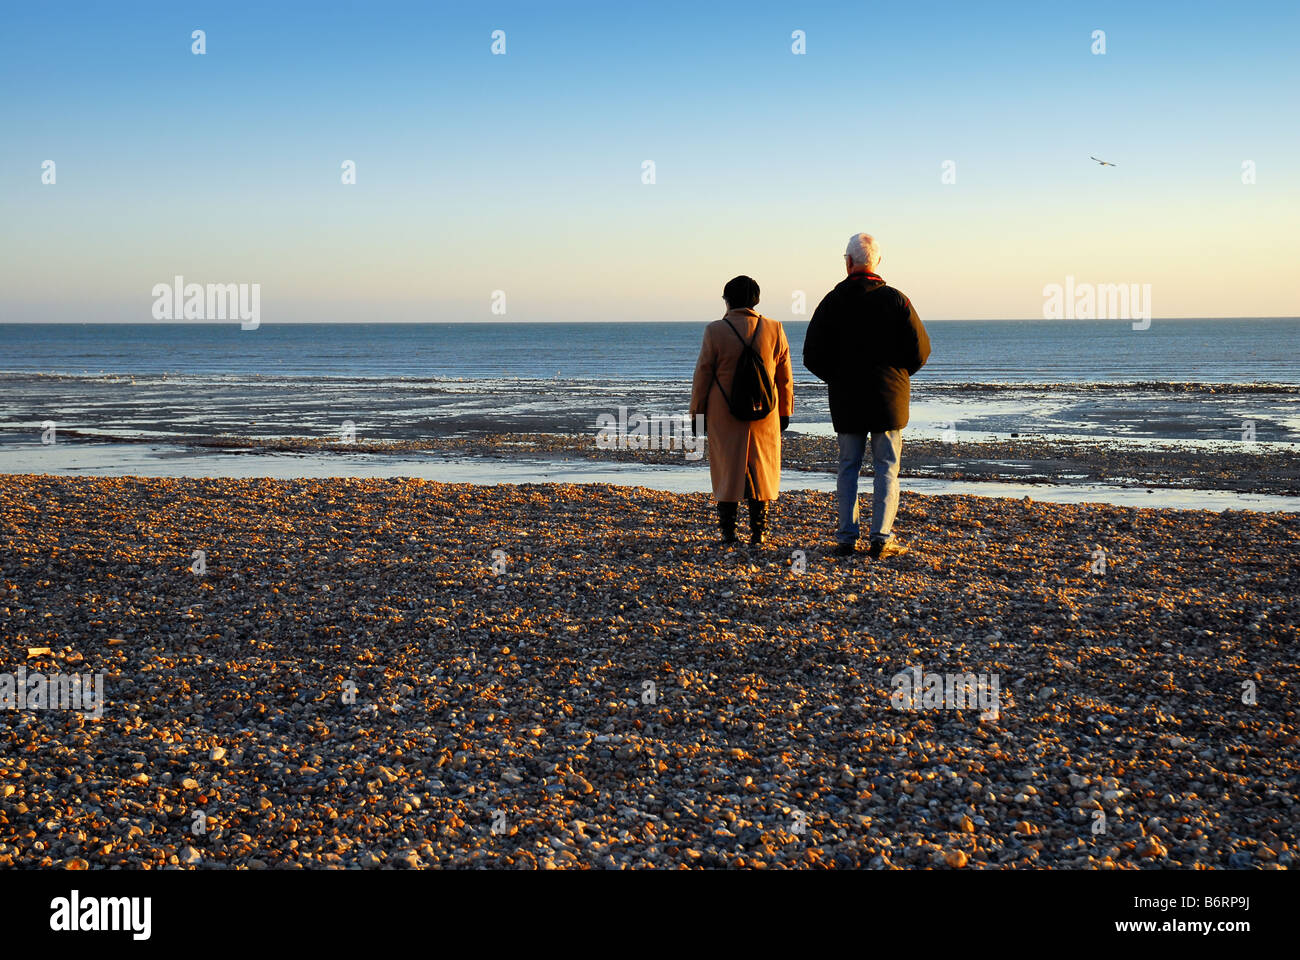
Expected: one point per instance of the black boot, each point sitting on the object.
(727, 520)
(757, 522)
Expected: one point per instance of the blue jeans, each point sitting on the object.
(886, 450)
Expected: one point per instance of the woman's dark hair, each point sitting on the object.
(740, 292)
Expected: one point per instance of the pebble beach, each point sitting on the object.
(401, 674)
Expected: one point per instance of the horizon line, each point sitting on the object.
(502, 321)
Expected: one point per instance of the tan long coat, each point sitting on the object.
(740, 450)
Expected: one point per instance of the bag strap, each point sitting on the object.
(757, 327)
(720, 390)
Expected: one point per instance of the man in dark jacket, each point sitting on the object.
(866, 341)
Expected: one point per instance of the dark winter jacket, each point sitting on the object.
(865, 340)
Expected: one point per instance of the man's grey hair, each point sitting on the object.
(863, 251)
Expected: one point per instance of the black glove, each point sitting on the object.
(785, 423)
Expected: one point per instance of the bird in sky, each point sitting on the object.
(1104, 163)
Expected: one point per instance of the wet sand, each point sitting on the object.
(502, 715)
(1246, 468)
(1188, 436)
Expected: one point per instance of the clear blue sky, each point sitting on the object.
(523, 172)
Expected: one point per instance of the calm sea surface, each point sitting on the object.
(1013, 351)
(1189, 380)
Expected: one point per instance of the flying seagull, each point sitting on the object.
(1104, 163)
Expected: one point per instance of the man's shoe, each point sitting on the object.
(845, 550)
(880, 549)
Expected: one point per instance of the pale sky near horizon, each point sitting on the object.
(524, 172)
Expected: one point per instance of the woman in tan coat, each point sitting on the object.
(744, 456)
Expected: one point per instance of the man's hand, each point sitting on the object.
(785, 423)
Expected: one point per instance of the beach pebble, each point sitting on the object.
(415, 715)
